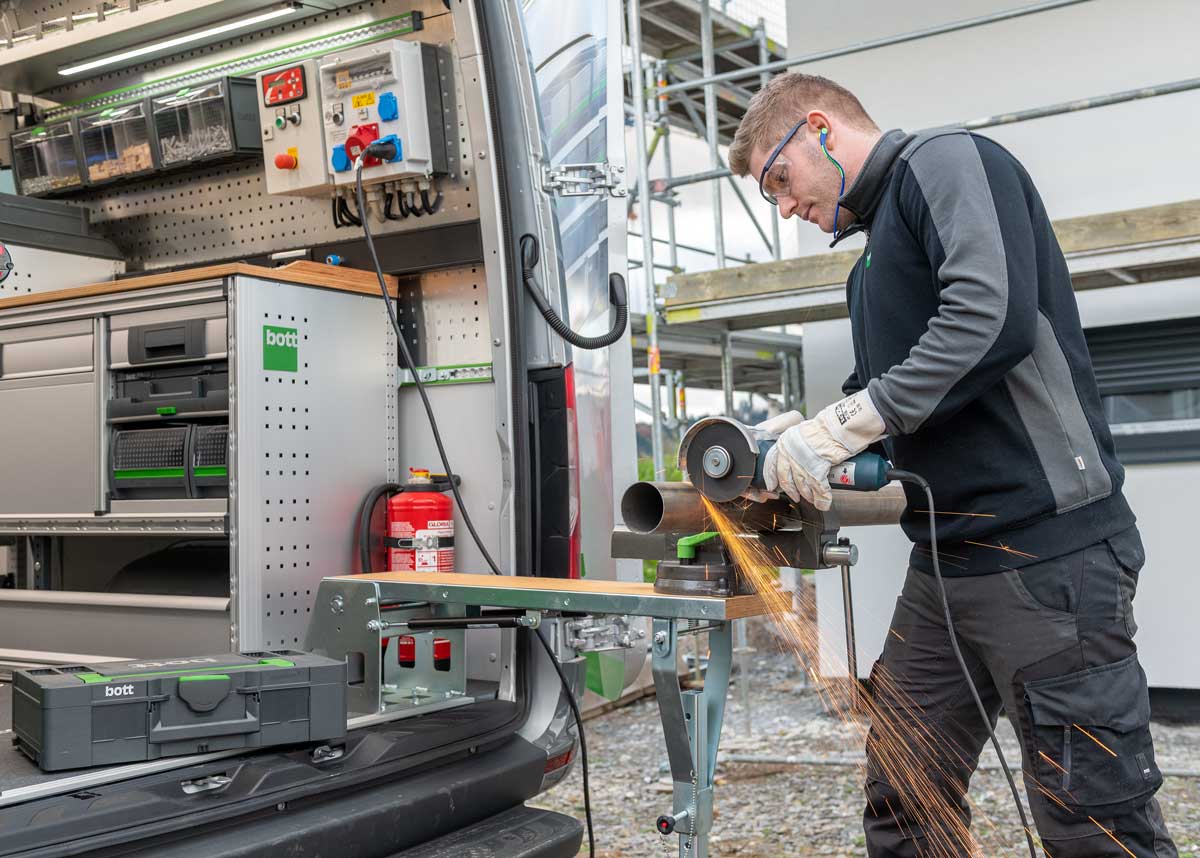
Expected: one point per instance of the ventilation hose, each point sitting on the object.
(530, 254)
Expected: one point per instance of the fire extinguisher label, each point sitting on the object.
(442, 526)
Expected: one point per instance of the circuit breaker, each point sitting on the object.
(381, 90)
(289, 111)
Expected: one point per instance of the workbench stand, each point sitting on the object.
(691, 721)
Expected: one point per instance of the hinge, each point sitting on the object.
(584, 180)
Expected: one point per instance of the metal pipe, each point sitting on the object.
(672, 247)
(693, 248)
(727, 371)
(859, 47)
(699, 55)
(653, 358)
(851, 648)
(710, 118)
(659, 507)
(1081, 104)
(764, 57)
(698, 126)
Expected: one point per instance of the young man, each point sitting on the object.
(972, 370)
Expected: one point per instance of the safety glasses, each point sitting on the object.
(773, 180)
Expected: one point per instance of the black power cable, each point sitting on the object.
(386, 149)
(920, 482)
(530, 253)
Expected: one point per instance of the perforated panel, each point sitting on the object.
(223, 212)
(444, 316)
(309, 444)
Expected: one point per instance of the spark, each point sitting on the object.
(1042, 754)
(1113, 838)
(1094, 739)
(1053, 798)
(910, 754)
(1001, 547)
(972, 514)
(897, 634)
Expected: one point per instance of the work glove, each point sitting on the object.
(773, 426)
(802, 457)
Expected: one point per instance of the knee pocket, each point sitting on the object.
(1091, 737)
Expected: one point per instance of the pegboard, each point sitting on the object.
(223, 212)
(444, 317)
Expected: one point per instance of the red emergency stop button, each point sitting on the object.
(286, 161)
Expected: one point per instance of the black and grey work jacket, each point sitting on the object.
(967, 336)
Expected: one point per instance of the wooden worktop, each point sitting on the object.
(734, 607)
(303, 273)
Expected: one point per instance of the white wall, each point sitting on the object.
(1125, 156)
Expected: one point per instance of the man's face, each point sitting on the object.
(803, 182)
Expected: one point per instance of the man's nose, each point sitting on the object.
(787, 206)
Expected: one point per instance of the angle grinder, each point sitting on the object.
(723, 458)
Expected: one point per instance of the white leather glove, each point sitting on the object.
(800, 461)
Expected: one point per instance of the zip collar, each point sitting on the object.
(864, 194)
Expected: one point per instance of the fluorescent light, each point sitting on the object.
(177, 41)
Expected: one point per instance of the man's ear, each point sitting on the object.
(818, 121)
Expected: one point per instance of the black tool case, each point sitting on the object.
(126, 711)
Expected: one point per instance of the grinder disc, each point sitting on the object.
(738, 463)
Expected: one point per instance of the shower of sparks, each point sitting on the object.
(972, 514)
(906, 749)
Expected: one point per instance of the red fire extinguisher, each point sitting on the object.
(420, 527)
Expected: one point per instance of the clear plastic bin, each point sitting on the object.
(207, 121)
(46, 159)
(116, 143)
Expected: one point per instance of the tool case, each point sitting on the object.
(129, 711)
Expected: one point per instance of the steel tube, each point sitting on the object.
(710, 119)
(851, 647)
(764, 57)
(643, 165)
(859, 47)
(657, 507)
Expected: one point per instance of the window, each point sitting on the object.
(1149, 378)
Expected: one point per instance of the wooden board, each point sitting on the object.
(1110, 230)
(302, 272)
(735, 607)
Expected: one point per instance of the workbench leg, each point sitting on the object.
(691, 722)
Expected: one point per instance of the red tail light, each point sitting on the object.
(559, 760)
(576, 540)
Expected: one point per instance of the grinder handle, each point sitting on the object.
(866, 472)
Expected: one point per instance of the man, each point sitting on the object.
(972, 369)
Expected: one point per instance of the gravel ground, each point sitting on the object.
(765, 811)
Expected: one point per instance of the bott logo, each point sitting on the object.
(281, 337)
(281, 349)
(118, 691)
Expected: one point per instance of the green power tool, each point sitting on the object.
(723, 458)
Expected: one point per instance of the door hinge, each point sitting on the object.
(584, 180)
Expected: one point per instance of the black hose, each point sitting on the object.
(413, 208)
(919, 481)
(365, 513)
(430, 208)
(337, 218)
(404, 212)
(387, 208)
(530, 254)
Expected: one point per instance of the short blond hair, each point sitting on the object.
(780, 104)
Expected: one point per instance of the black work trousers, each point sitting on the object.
(1051, 643)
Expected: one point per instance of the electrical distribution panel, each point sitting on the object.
(289, 111)
(377, 91)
